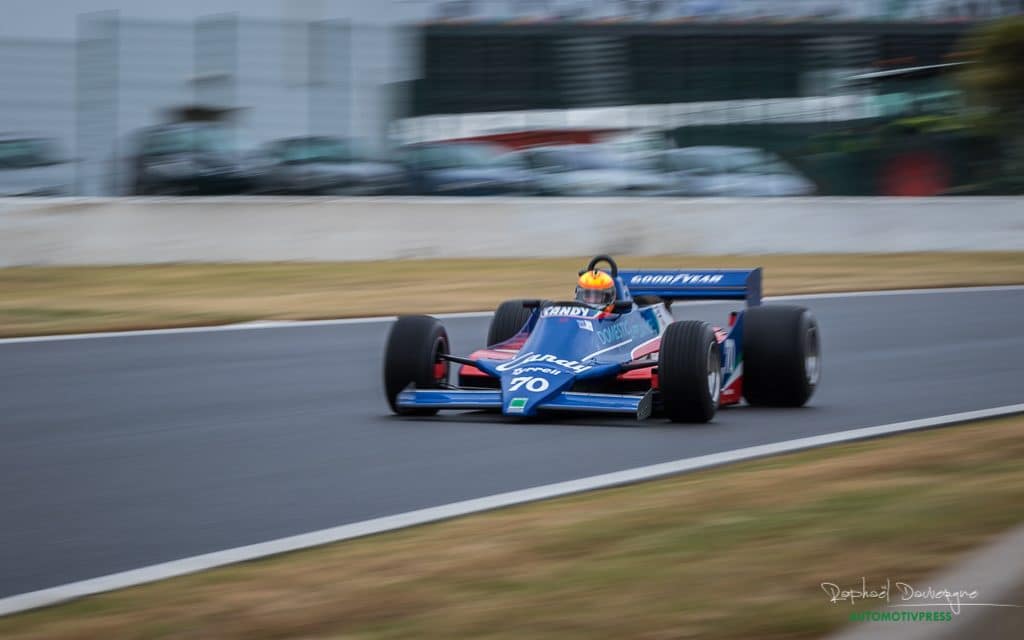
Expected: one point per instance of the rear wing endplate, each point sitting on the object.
(700, 284)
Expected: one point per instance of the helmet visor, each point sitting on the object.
(595, 296)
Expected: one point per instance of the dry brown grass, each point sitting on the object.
(42, 300)
(736, 552)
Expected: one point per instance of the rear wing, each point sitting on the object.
(698, 284)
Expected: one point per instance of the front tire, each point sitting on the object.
(508, 319)
(781, 355)
(412, 356)
(690, 371)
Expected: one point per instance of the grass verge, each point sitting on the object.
(44, 300)
(734, 552)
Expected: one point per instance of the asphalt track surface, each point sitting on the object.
(121, 452)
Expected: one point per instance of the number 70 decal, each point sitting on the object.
(535, 385)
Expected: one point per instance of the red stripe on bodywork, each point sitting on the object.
(636, 374)
(468, 370)
(486, 354)
(646, 348)
(490, 354)
(732, 393)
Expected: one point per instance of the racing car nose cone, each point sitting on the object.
(524, 389)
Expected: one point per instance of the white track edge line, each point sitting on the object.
(293, 324)
(184, 566)
(897, 292)
(240, 326)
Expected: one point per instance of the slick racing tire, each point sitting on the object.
(412, 356)
(781, 355)
(509, 318)
(690, 371)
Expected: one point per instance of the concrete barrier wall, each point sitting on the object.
(155, 230)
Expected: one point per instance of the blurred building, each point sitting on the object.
(88, 73)
(281, 69)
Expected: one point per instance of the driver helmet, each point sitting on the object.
(595, 288)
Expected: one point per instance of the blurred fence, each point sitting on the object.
(810, 91)
(271, 79)
(720, 10)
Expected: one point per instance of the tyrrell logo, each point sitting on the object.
(548, 370)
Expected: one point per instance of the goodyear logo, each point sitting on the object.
(670, 279)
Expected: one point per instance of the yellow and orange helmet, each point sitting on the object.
(595, 288)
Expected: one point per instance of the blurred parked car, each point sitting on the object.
(465, 169)
(188, 158)
(33, 167)
(639, 147)
(590, 170)
(319, 165)
(732, 171)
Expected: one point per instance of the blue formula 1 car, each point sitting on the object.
(628, 357)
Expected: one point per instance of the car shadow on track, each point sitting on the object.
(592, 421)
(727, 416)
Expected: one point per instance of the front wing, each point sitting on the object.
(640, 406)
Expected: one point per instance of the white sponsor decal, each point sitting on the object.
(677, 278)
(664, 316)
(567, 311)
(528, 358)
(517, 405)
(585, 324)
(534, 385)
(730, 356)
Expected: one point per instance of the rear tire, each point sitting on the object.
(781, 355)
(690, 371)
(412, 357)
(509, 318)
